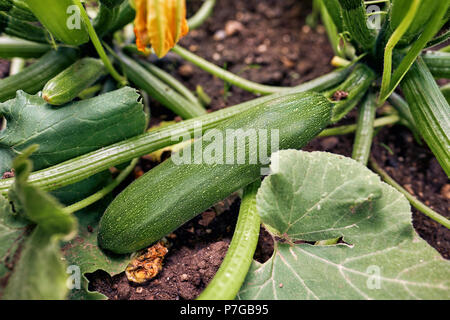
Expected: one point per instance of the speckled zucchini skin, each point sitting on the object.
(170, 195)
(72, 81)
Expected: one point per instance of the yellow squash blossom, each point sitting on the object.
(160, 23)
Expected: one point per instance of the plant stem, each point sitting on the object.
(157, 89)
(103, 192)
(171, 81)
(393, 40)
(416, 48)
(365, 128)
(404, 111)
(355, 22)
(98, 45)
(331, 28)
(201, 15)
(226, 75)
(413, 200)
(17, 65)
(430, 111)
(439, 39)
(231, 275)
(347, 129)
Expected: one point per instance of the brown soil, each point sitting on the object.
(268, 42)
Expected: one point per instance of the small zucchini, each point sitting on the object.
(171, 194)
(22, 29)
(33, 78)
(430, 111)
(62, 19)
(67, 85)
(17, 9)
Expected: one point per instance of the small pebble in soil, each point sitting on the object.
(220, 35)
(329, 143)
(445, 191)
(233, 27)
(186, 70)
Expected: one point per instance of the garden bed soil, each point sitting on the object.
(268, 42)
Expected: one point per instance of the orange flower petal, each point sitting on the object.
(160, 23)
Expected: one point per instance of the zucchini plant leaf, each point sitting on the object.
(40, 272)
(320, 196)
(83, 251)
(12, 233)
(69, 131)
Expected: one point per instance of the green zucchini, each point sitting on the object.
(171, 194)
(62, 19)
(17, 9)
(19, 48)
(438, 63)
(430, 111)
(21, 29)
(67, 85)
(33, 78)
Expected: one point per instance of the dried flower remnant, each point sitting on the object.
(340, 95)
(147, 265)
(160, 23)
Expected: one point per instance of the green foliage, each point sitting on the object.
(430, 110)
(83, 251)
(33, 78)
(65, 133)
(40, 272)
(133, 220)
(319, 196)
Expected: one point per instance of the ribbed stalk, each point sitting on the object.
(231, 275)
(438, 63)
(430, 111)
(365, 128)
(19, 48)
(355, 22)
(159, 90)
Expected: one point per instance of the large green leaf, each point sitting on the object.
(83, 252)
(40, 272)
(318, 196)
(69, 131)
(12, 233)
